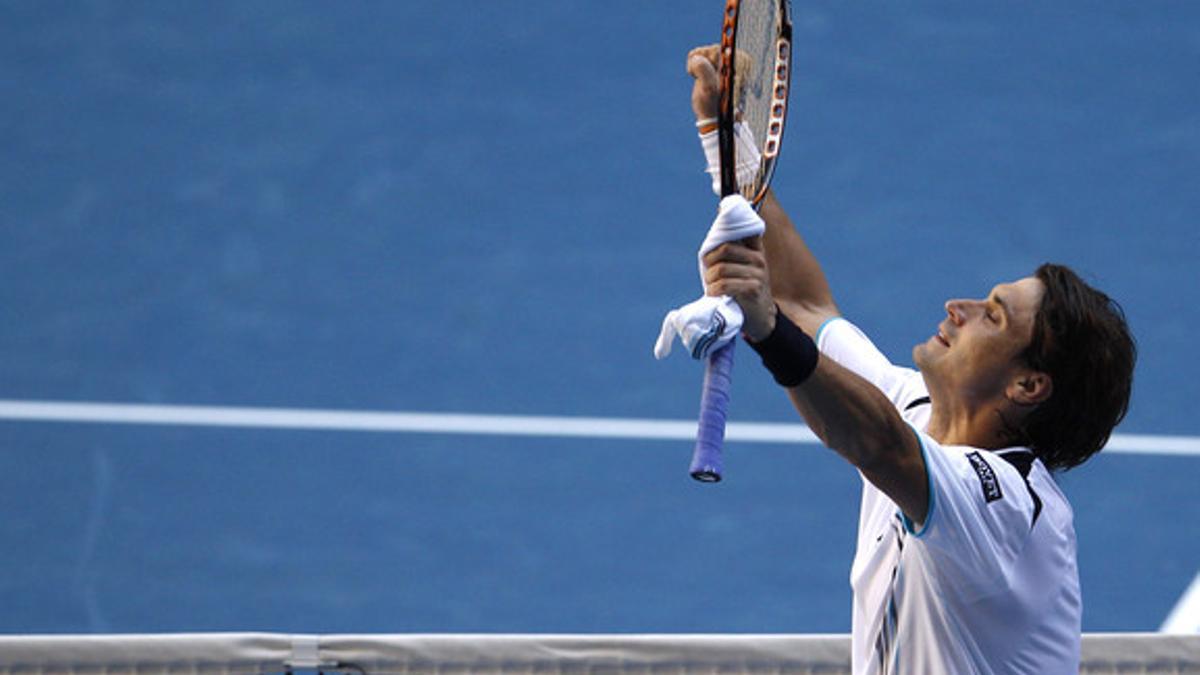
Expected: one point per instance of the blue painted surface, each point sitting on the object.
(403, 206)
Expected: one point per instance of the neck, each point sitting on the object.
(980, 426)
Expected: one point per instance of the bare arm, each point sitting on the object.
(849, 414)
(852, 417)
(798, 283)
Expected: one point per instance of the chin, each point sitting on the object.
(926, 360)
(918, 355)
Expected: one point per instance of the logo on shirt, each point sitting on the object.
(987, 477)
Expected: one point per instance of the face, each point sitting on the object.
(975, 352)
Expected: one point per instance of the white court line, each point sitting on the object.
(1184, 619)
(411, 422)
(455, 423)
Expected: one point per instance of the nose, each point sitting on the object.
(957, 310)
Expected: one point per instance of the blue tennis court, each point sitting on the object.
(484, 211)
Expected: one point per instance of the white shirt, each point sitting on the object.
(988, 584)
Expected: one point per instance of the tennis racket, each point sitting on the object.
(755, 74)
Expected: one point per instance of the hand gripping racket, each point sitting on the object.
(755, 73)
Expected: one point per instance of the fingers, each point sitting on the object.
(703, 70)
(735, 269)
(710, 53)
(706, 90)
(744, 291)
(726, 275)
(748, 251)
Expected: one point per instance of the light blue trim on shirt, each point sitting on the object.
(908, 524)
(821, 328)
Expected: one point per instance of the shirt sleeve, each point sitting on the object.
(843, 342)
(979, 519)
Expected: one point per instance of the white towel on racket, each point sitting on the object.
(711, 322)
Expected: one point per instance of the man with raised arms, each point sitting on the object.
(965, 559)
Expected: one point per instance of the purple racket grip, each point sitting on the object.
(714, 404)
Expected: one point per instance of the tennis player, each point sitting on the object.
(966, 556)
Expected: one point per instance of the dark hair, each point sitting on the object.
(1081, 340)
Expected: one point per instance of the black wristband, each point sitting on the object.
(788, 352)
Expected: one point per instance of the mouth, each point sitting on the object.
(942, 339)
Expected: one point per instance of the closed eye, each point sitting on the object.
(994, 302)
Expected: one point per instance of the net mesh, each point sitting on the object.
(247, 653)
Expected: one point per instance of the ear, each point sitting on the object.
(1030, 387)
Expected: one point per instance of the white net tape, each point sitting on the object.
(380, 654)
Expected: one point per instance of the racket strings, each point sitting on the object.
(757, 45)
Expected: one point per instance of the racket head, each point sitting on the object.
(755, 76)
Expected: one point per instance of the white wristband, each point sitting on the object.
(712, 154)
(746, 150)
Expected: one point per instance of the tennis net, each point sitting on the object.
(247, 653)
